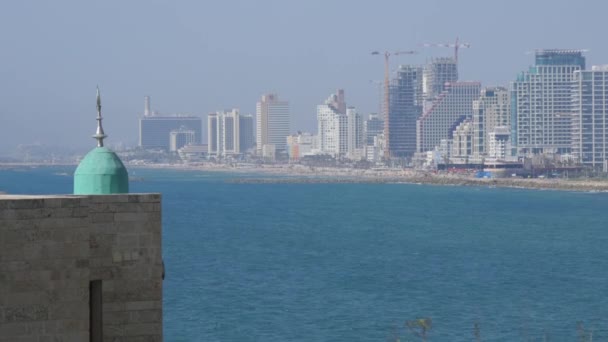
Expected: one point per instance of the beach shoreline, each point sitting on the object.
(295, 173)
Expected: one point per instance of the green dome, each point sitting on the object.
(101, 172)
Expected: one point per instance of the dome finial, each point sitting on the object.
(99, 135)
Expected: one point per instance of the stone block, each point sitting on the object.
(113, 306)
(115, 198)
(17, 299)
(8, 214)
(113, 332)
(102, 217)
(53, 202)
(74, 202)
(106, 273)
(64, 222)
(19, 339)
(26, 203)
(66, 337)
(128, 241)
(143, 198)
(37, 312)
(12, 329)
(68, 310)
(80, 212)
(142, 305)
(145, 316)
(133, 217)
(12, 252)
(63, 326)
(142, 329)
(116, 317)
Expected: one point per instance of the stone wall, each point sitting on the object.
(53, 247)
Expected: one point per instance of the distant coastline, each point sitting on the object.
(309, 175)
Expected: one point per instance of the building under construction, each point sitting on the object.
(405, 108)
(436, 74)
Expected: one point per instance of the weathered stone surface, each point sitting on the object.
(35, 312)
(52, 247)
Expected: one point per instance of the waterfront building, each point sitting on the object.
(246, 133)
(450, 108)
(329, 120)
(462, 139)
(83, 267)
(354, 135)
(223, 133)
(193, 153)
(491, 112)
(181, 137)
(404, 109)
(300, 145)
(542, 103)
(372, 127)
(155, 131)
(590, 117)
(272, 122)
(340, 133)
(499, 143)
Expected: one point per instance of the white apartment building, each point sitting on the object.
(590, 121)
(491, 112)
(542, 103)
(339, 134)
(223, 133)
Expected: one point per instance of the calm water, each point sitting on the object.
(353, 262)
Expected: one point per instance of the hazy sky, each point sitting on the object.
(201, 56)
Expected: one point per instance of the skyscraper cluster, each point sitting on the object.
(556, 107)
(229, 133)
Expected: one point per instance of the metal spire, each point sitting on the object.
(99, 135)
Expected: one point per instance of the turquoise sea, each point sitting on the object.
(353, 262)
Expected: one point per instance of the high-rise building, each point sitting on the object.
(590, 117)
(329, 124)
(490, 111)
(372, 128)
(437, 74)
(155, 130)
(247, 133)
(223, 133)
(541, 103)
(180, 138)
(340, 134)
(450, 108)
(404, 109)
(272, 121)
(354, 135)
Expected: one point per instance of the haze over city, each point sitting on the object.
(198, 57)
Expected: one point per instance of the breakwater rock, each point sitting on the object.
(541, 184)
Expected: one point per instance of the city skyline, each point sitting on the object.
(48, 70)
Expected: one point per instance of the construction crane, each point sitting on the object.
(456, 45)
(387, 54)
